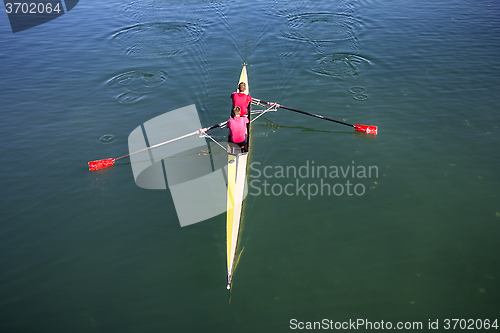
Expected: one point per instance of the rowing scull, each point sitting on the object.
(236, 179)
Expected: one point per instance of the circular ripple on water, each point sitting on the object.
(357, 90)
(341, 65)
(135, 85)
(358, 93)
(321, 27)
(107, 138)
(142, 81)
(129, 98)
(360, 97)
(158, 39)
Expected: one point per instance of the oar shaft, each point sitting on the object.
(101, 164)
(303, 112)
(172, 140)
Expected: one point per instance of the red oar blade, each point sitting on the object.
(101, 164)
(366, 129)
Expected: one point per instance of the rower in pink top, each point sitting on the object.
(238, 128)
(241, 99)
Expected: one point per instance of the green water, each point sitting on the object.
(88, 251)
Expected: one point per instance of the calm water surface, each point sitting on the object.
(90, 251)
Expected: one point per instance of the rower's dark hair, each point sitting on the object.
(236, 111)
(242, 84)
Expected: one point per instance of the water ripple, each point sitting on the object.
(158, 39)
(135, 85)
(321, 27)
(341, 65)
(333, 35)
(358, 93)
(107, 138)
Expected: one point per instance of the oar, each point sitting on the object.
(359, 128)
(101, 164)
